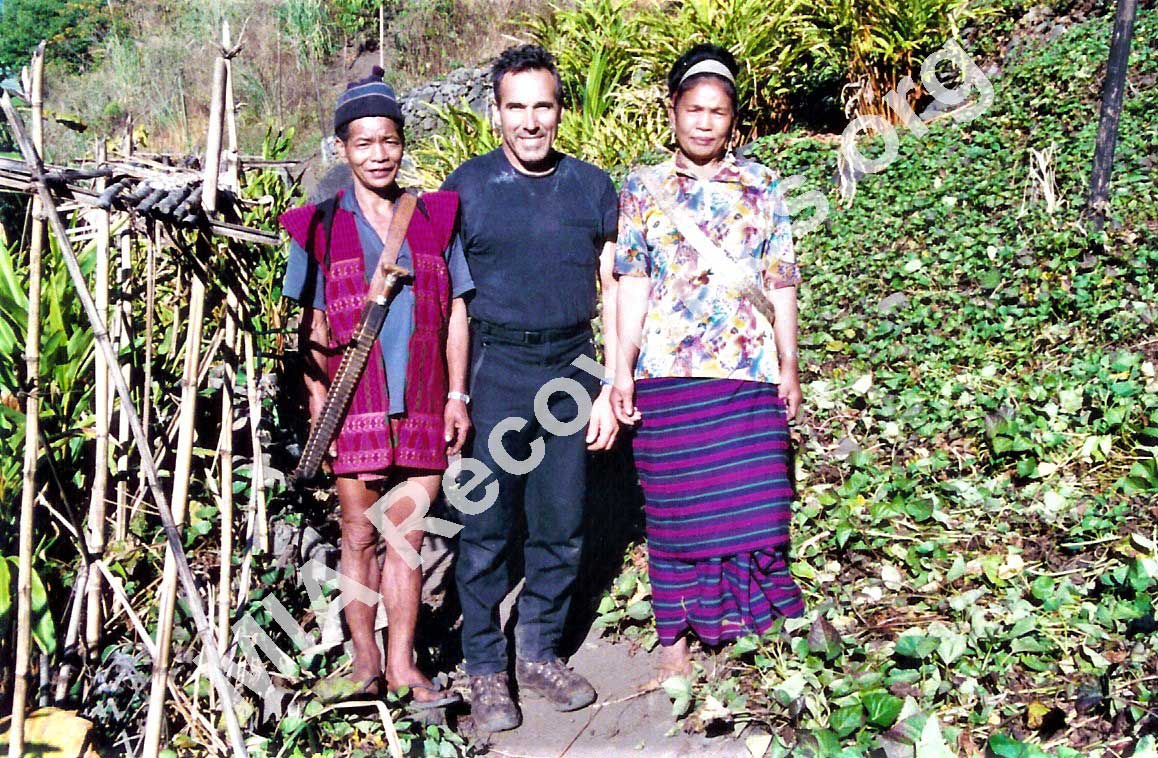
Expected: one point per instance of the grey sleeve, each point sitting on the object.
(460, 280)
(300, 268)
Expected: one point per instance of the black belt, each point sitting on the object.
(531, 337)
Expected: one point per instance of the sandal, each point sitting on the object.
(449, 697)
(345, 690)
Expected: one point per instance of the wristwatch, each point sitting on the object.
(465, 398)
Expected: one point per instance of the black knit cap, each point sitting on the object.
(367, 97)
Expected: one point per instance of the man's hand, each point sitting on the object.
(602, 429)
(456, 426)
(623, 402)
(790, 392)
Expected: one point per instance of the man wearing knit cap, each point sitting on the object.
(539, 228)
(408, 411)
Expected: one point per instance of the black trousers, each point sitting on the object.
(505, 378)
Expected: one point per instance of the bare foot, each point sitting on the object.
(427, 693)
(367, 678)
(674, 660)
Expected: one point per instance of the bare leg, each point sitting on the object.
(401, 589)
(359, 563)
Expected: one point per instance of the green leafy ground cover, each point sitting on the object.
(978, 467)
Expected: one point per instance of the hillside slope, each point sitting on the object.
(978, 471)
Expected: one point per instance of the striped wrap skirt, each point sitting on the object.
(712, 458)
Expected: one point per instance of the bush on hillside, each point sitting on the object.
(71, 27)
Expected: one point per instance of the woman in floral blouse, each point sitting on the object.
(709, 381)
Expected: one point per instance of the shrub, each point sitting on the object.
(71, 27)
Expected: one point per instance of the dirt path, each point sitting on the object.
(622, 722)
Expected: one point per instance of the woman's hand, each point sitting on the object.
(623, 401)
(790, 392)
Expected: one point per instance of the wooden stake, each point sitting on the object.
(382, 36)
(225, 473)
(64, 675)
(181, 479)
(34, 86)
(155, 718)
(1112, 93)
(228, 381)
(96, 507)
(152, 248)
(123, 321)
(258, 468)
(172, 535)
(123, 598)
(232, 150)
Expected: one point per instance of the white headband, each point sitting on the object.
(709, 66)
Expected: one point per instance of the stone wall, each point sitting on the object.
(471, 84)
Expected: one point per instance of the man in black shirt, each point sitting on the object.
(538, 228)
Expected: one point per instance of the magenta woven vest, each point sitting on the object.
(368, 442)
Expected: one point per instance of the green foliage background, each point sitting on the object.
(978, 470)
(978, 466)
(71, 27)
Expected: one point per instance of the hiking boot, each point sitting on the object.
(491, 704)
(565, 689)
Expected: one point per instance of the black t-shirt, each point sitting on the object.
(533, 242)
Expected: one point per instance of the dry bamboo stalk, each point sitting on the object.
(232, 150)
(123, 320)
(201, 620)
(170, 436)
(155, 717)
(225, 472)
(123, 598)
(181, 476)
(152, 247)
(256, 527)
(72, 634)
(97, 500)
(257, 470)
(34, 86)
(229, 380)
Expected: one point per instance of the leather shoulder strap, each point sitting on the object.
(399, 222)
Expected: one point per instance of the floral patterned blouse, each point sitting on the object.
(696, 324)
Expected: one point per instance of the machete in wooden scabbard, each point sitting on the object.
(357, 351)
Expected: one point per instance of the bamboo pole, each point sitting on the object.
(225, 473)
(232, 149)
(123, 598)
(64, 675)
(152, 247)
(101, 337)
(122, 323)
(228, 381)
(34, 86)
(153, 250)
(181, 479)
(97, 499)
(258, 468)
(155, 718)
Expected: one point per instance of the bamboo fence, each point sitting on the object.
(137, 209)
